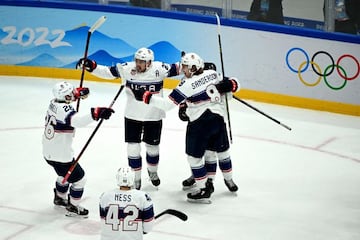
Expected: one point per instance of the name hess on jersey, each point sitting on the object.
(122, 197)
(203, 80)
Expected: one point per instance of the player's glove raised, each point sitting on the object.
(142, 95)
(228, 85)
(101, 113)
(182, 112)
(81, 92)
(89, 64)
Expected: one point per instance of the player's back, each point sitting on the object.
(58, 134)
(201, 94)
(125, 214)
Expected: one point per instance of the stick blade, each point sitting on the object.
(97, 24)
(178, 214)
(173, 212)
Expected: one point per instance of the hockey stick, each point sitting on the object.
(71, 169)
(96, 25)
(223, 73)
(173, 212)
(261, 112)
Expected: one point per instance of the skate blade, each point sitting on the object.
(187, 188)
(74, 215)
(155, 187)
(59, 207)
(201, 201)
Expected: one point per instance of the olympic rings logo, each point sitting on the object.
(328, 70)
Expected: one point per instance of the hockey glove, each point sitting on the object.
(142, 95)
(81, 92)
(101, 113)
(182, 112)
(209, 65)
(227, 85)
(89, 64)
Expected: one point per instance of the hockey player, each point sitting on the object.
(126, 213)
(211, 159)
(60, 123)
(202, 91)
(142, 122)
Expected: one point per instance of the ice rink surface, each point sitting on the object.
(293, 185)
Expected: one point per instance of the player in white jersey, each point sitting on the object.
(126, 213)
(202, 91)
(60, 123)
(142, 122)
(211, 158)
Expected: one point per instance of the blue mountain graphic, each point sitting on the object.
(163, 51)
(103, 49)
(101, 57)
(115, 46)
(76, 39)
(166, 52)
(43, 60)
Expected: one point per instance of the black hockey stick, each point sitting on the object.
(71, 169)
(173, 212)
(96, 25)
(223, 73)
(261, 112)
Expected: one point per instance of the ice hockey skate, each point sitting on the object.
(154, 178)
(210, 185)
(188, 183)
(200, 196)
(58, 201)
(231, 185)
(76, 211)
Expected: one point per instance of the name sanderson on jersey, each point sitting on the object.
(203, 80)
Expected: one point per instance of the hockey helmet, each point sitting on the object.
(193, 61)
(125, 177)
(63, 91)
(145, 54)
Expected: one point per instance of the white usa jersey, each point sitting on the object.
(125, 214)
(60, 123)
(200, 94)
(151, 80)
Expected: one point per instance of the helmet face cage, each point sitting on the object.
(64, 91)
(125, 177)
(191, 60)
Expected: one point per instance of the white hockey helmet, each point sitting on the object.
(125, 177)
(145, 54)
(192, 59)
(63, 91)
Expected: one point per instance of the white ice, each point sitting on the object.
(302, 184)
